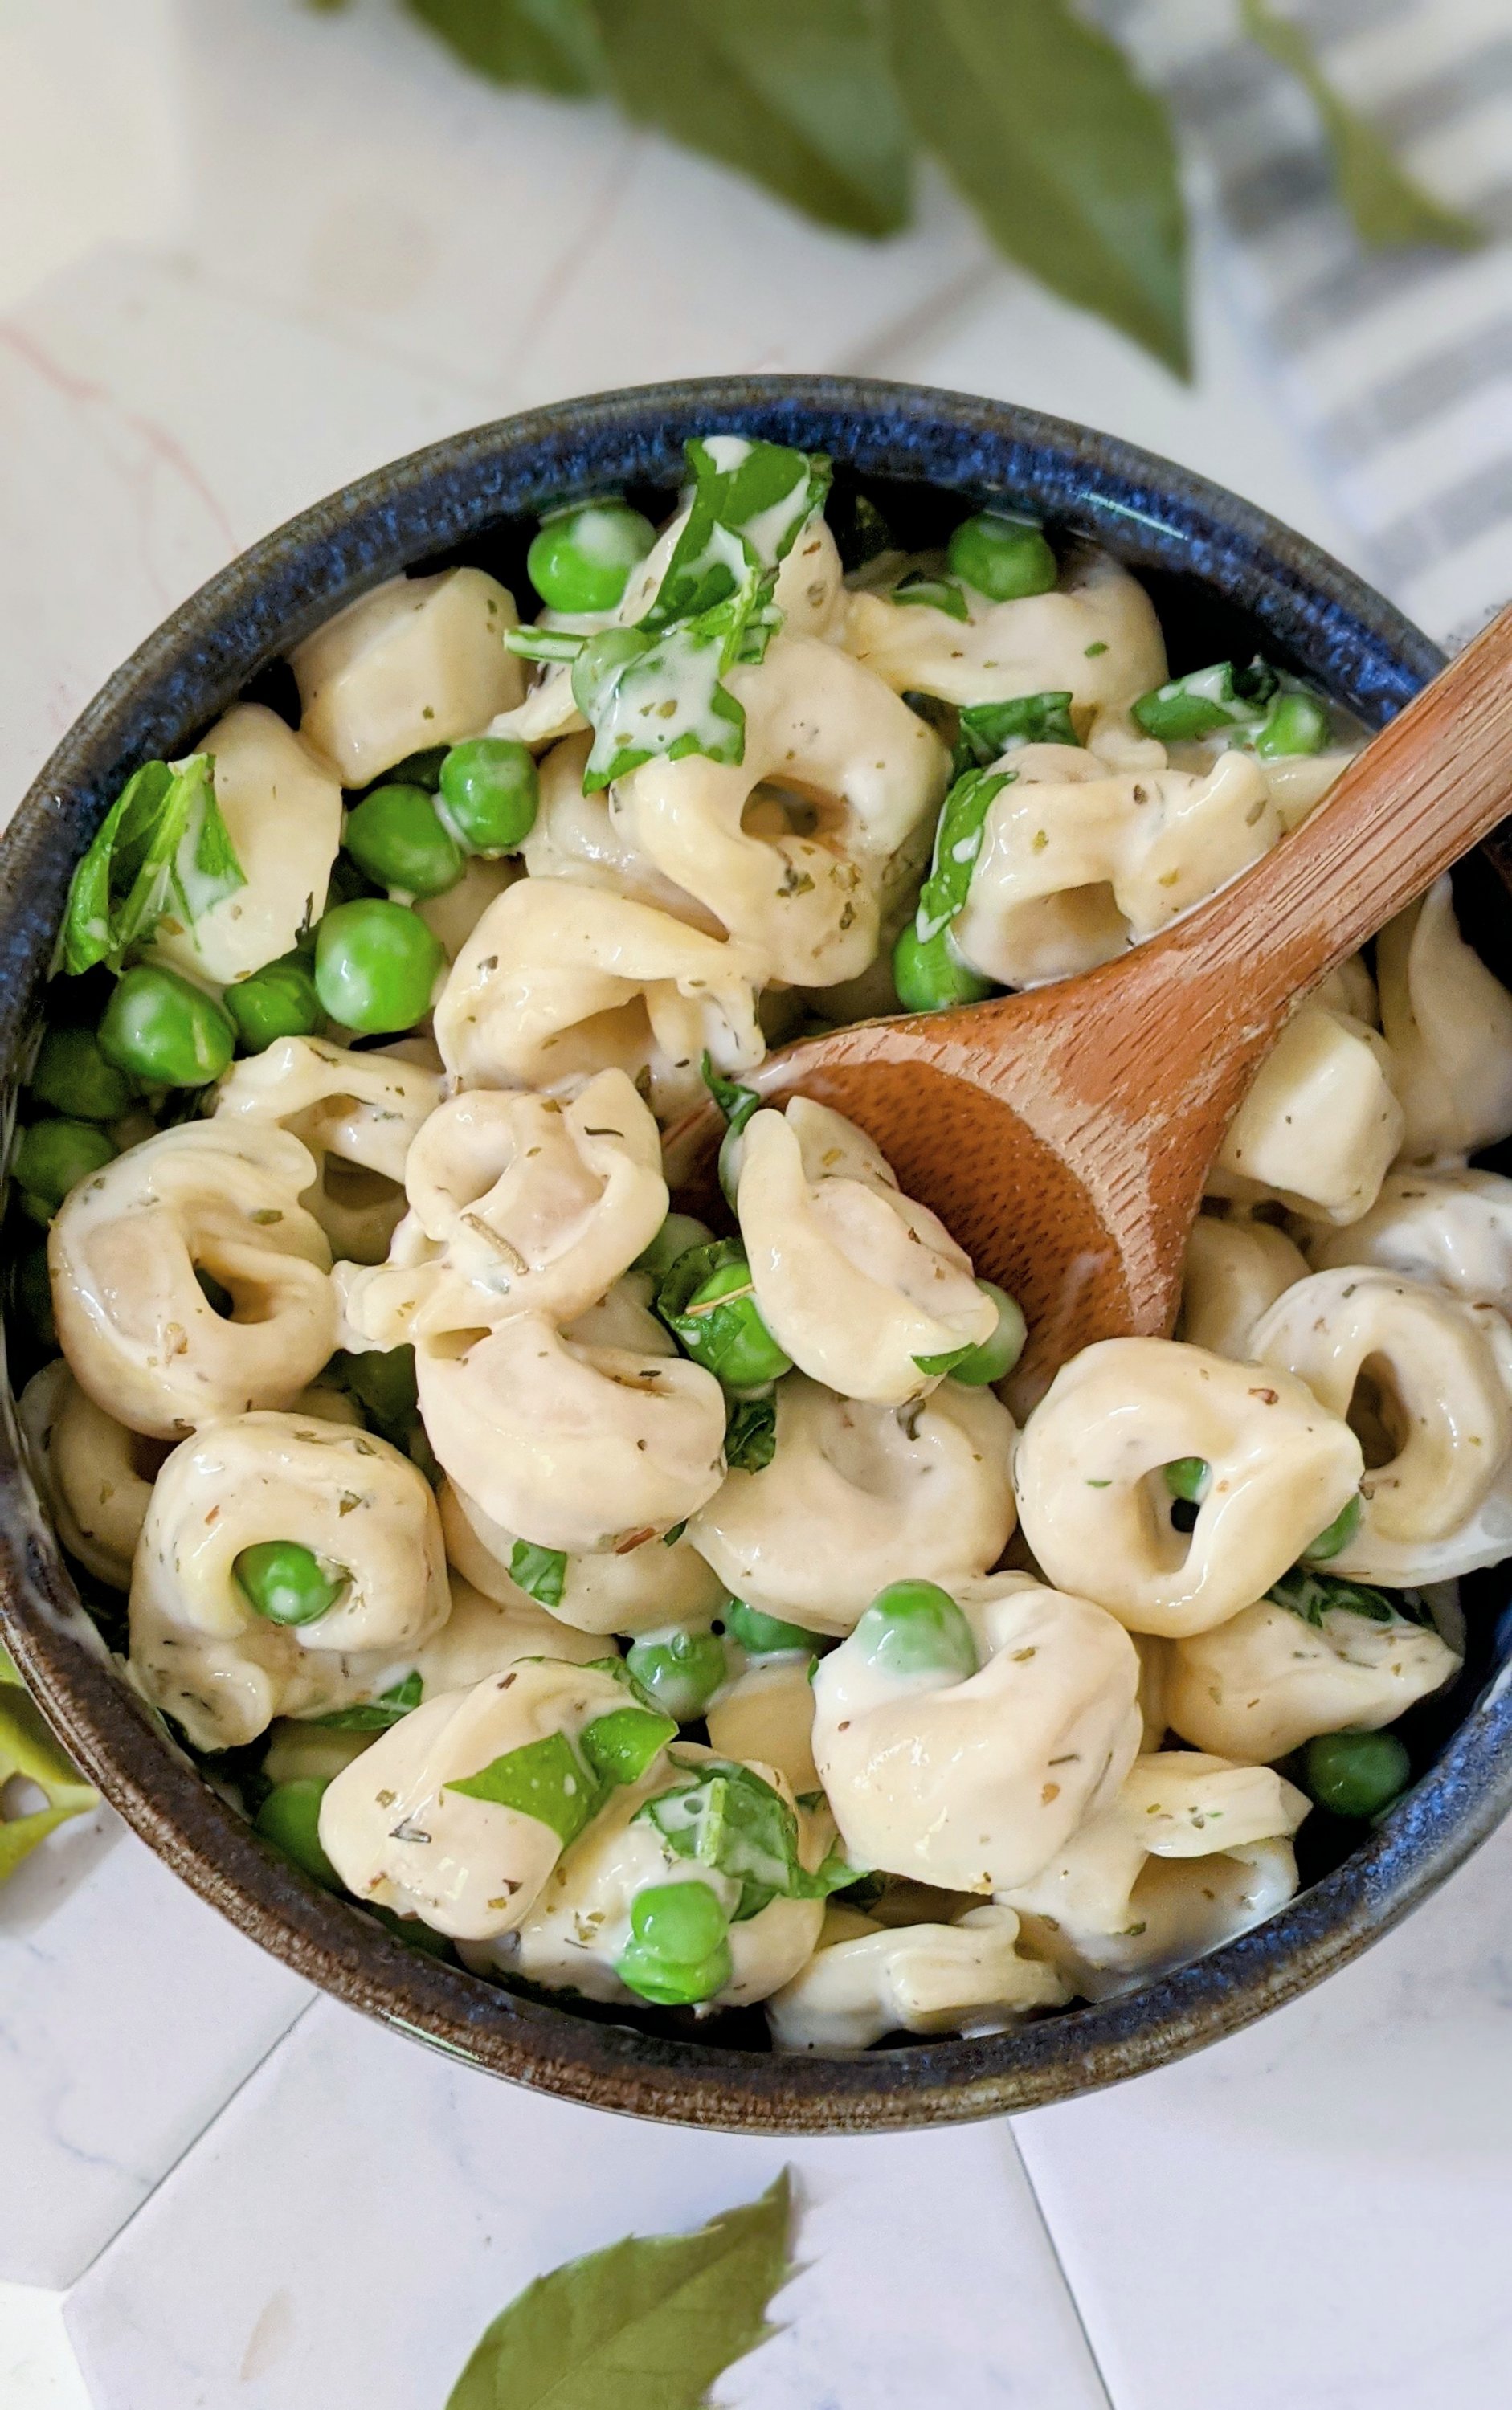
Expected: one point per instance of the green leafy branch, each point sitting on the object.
(1037, 118)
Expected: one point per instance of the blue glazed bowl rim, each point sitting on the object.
(1154, 514)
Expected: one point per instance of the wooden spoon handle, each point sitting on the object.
(1215, 988)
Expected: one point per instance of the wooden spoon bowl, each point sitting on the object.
(1064, 1135)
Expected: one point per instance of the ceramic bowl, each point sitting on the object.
(1226, 580)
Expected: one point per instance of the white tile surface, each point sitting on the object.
(129, 2011)
(37, 2369)
(365, 2207)
(1318, 2212)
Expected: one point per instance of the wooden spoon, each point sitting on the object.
(1064, 1135)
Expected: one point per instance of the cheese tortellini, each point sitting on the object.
(667, 1612)
(859, 1284)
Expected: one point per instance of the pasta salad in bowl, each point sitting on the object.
(654, 1641)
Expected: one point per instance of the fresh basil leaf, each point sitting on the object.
(621, 1745)
(1313, 1596)
(1207, 700)
(945, 1363)
(717, 1334)
(932, 594)
(550, 44)
(729, 1818)
(544, 1778)
(646, 2325)
(988, 729)
(541, 1573)
(1385, 204)
(957, 844)
(750, 1434)
(794, 93)
(735, 1103)
(749, 500)
(1068, 159)
(375, 1715)
(162, 846)
(670, 701)
(670, 1539)
(544, 643)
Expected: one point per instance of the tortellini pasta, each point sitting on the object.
(1321, 1123)
(855, 1492)
(398, 1832)
(142, 1336)
(200, 1651)
(95, 1476)
(419, 661)
(1449, 1227)
(1094, 636)
(1449, 1027)
(558, 981)
(864, 1981)
(282, 813)
(573, 1447)
(787, 849)
(1076, 863)
(356, 1113)
(1095, 1507)
(628, 1591)
(767, 1712)
(859, 1284)
(1269, 1679)
(578, 1928)
(1192, 1853)
(975, 1784)
(518, 1204)
(1234, 1269)
(1428, 1383)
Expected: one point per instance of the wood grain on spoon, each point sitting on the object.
(1064, 1135)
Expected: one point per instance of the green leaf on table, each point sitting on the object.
(646, 2325)
(551, 45)
(1068, 159)
(29, 1752)
(1387, 205)
(794, 93)
(163, 846)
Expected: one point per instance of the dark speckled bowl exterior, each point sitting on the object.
(457, 493)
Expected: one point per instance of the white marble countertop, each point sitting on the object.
(247, 251)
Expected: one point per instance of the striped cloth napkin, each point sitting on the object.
(1396, 364)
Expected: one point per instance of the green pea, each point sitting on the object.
(915, 1627)
(165, 1031)
(1333, 1541)
(73, 1077)
(1002, 558)
(929, 974)
(396, 835)
(598, 666)
(376, 966)
(286, 1582)
(766, 1635)
(679, 1920)
(995, 1357)
(1356, 1774)
(663, 1960)
(678, 1232)
(489, 791)
(582, 558)
(1296, 723)
(278, 1001)
(52, 1158)
(679, 1669)
(1188, 1476)
(720, 1326)
(289, 1817)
